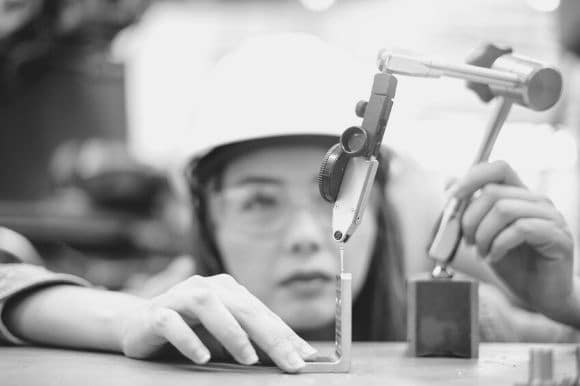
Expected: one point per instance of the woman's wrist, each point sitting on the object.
(566, 311)
(120, 320)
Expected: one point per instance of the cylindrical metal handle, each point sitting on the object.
(407, 65)
(528, 82)
(478, 74)
(492, 130)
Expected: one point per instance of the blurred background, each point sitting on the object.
(96, 99)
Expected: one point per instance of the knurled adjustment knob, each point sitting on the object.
(331, 172)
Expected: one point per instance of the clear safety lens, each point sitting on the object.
(268, 208)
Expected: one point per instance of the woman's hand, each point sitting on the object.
(521, 234)
(226, 310)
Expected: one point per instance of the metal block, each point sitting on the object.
(442, 317)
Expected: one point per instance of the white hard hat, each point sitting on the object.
(278, 85)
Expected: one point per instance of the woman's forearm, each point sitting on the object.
(70, 316)
(79, 317)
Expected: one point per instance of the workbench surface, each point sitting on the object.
(372, 364)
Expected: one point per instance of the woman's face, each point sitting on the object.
(274, 233)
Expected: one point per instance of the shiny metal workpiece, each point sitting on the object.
(339, 362)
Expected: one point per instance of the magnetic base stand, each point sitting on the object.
(442, 316)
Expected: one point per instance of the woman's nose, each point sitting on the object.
(305, 248)
(305, 235)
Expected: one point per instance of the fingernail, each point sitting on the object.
(295, 361)
(249, 355)
(307, 351)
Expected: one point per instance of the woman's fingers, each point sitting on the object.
(500, 198)
(265, 328)
(169, 325)
(498, 172)
(305, 350)
(541, 234)
(232, 315)
(504, 212)
(274, 336)
(203, 304)
(488, 196)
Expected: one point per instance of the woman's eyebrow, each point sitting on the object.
(248, 180)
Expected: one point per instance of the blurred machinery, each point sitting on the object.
(67, 182)
(58, 82)
(107, 218)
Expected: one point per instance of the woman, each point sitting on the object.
(265, 260)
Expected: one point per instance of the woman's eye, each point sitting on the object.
(260, 201)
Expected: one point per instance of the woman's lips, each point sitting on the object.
(307, 283)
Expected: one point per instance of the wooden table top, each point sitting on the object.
(372, 364)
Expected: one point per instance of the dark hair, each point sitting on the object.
(379, 309)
